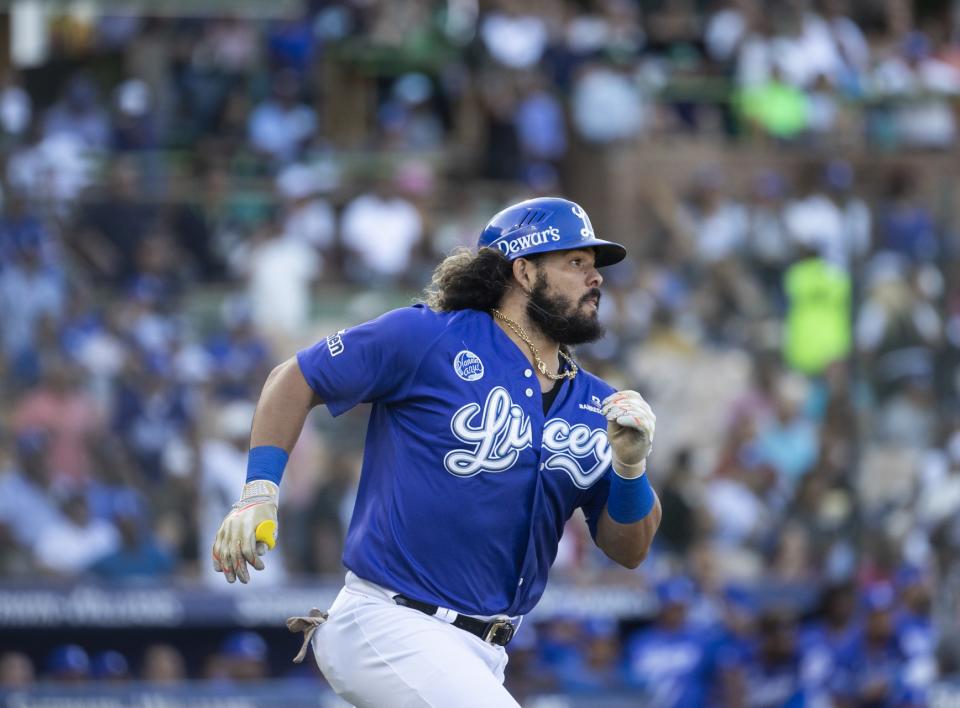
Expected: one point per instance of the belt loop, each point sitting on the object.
(446, 614)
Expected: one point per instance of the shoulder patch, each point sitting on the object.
(468, 365)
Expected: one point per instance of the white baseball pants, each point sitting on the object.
(377, 654)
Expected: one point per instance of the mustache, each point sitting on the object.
(593, 293)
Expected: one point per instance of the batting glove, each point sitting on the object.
(247, 531)
(630, 426)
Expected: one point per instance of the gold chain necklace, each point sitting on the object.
(540, 363)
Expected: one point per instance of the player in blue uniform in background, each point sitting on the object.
(671, 661)
(484, 438)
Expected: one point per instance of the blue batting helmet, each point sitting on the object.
(546, 224)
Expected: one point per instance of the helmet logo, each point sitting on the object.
(587, 231)
(522, 243)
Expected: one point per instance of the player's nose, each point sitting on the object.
(594, 279)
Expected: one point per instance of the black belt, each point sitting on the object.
(497, 631)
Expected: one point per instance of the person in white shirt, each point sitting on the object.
(380, 230)
(78, 541)
(281, 125)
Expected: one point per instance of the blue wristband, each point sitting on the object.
(629, 500)
(266, 462)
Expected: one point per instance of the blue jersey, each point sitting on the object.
(466, 485)
(673, 667)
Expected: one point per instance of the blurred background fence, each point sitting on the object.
(193, 190)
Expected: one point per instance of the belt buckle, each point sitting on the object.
(499, 631)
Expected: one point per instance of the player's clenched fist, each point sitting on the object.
(630, 427)
(247, 531)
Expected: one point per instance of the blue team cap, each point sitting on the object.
(244, 645)
(68, 659)
(600, 627)
(880, 597)
(546, 224)
(909, 575)
(676, 591)
(109, 664)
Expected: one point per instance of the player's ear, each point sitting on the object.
(525, 273)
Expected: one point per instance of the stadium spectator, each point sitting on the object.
(307, 217)
(607, 105)
(27, 503)
(111, 225)
(906, 225)
(242, 657)
(67, 414)
(670, 661)
(913, 71)
(280, 276)
(817, 329)
(871, 666)
(163, 664)
(540, 121)
(710, 219)
(787, 441)
(16, 108)
(68, 663)
(828, 218)
(74, 544)
(240, 355)
(16, 671)
(513, 36)
(139, 555)
(30, 291)
(770, 672)
(109, 666)
(769, 246)
(150, 412)
(897, 328)
(407, 120)
(79, 115)
(380, 229)
(281, 125)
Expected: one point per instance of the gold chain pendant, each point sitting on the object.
(540, 363)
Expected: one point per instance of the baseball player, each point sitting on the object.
(485, 436)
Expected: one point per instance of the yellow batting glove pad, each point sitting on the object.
(266, 532)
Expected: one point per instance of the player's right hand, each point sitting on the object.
(238, 541)
(630, 428)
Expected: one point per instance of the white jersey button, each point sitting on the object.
(529, 392)
(528, 373)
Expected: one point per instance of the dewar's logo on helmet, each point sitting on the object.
(522, 243)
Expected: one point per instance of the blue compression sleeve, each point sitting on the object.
(266, 462)
(629, 500)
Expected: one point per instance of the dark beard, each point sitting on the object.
(558, 319)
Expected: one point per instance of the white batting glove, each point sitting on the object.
(247, 532)
(630, 427)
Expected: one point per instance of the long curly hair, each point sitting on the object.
(469, 280)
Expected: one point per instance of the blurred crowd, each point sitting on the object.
(187, 201)
(240, 656)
